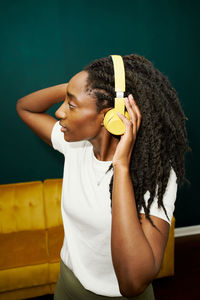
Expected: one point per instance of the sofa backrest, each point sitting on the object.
(52, 189)
(23, 235)
(21, 207)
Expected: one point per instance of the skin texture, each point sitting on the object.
(141, 245)
(137, 247)
(82, 121)
(32, 110)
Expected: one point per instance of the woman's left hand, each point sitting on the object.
(125, 146)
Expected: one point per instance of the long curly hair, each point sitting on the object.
(161, 141)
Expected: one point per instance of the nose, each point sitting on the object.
(60, 113)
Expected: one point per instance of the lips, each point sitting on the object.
(63, 128)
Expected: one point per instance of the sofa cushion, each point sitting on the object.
(167, 267)
(23, 248)
(26, 293)
(54, 270)
(55, 241)
(24, 277)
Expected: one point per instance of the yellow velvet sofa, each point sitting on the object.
(31, 236)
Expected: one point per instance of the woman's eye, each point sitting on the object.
(71, 106)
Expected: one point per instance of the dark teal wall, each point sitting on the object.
(44, 43)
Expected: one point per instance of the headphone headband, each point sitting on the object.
(119, 75)
(112, 122)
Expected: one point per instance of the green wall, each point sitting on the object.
(44, 43)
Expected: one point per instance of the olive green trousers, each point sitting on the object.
(69, 288)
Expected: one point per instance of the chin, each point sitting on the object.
(67, 138)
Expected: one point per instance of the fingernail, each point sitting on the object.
(133, 98)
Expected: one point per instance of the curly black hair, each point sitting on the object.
(162, 138)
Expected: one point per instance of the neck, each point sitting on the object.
(104, 145)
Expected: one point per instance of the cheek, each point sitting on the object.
(87, 125)
(81, 130)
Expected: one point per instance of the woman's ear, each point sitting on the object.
(103, 112)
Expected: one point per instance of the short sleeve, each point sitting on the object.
(169, 199)
(57, 139)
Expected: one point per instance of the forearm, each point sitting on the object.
(41, 100)
(132, 255)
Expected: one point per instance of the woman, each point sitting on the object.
(118, 193)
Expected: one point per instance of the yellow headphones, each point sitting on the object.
(112, 121)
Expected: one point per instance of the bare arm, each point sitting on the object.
(32, 110)
(137, 249)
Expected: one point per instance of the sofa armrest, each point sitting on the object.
(167, 267)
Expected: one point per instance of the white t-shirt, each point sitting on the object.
(86, 214)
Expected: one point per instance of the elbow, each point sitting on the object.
(134, 290)
(138, 282)
(18, 105)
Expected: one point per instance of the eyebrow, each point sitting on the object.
(71, 96)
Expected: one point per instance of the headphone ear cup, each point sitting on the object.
(113, 123)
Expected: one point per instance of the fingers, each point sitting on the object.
(136, 110)
(134, 113)
(126, 121)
